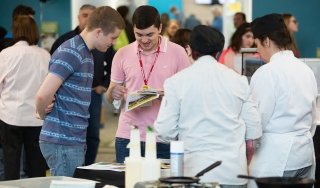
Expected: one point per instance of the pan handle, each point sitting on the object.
(208, 168)
(246, 177)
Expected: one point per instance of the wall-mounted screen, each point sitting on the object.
(207, 2)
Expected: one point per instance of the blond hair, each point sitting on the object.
(105, 18)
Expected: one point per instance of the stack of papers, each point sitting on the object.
(142, 98)
(72, 184)
(118, 167)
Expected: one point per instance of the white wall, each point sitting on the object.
(76, 4)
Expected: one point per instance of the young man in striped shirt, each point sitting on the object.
(63, 135)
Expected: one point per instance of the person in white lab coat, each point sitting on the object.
(285, 90)
(208, 107)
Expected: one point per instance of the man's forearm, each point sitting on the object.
(46, 93)
(41, 105)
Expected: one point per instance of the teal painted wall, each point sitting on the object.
(52, 10)
(164, 6)
(307, 14)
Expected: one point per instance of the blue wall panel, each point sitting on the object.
(52, 10)
(307, 14)
(164, 6)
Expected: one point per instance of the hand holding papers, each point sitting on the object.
(142, 98)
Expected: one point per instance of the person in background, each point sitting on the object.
(292, 26)
(124, 10)
(217, 21)
(182, 37)
(164, 21)
(83, 16)
(241, 38)
(192, 22)
(69, 83)
(171, 29)
(23, 67)
(147, 62)
(5, 42)
(21, 10)
(177, 15)
(127, 35)
(101, 79)
(238, 19)
(285, 89)
(225, 116)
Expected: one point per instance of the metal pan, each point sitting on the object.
(189, 180)
(281, 182)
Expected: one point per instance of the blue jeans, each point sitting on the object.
(163, 150)
(62, 160)
(93, 130)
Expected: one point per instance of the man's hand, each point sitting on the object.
(115, 91)
(99, 89)
(50, 106)
(118, 92)
(47, 110)
(249, 150)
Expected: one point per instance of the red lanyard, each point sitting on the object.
(145, 80)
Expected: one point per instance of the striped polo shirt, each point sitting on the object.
(68, 121)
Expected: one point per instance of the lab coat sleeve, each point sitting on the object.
(251, 117)
(263, 92)
(166, 124)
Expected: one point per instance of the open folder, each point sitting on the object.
(142, 98)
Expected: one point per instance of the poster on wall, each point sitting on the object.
(49, 33)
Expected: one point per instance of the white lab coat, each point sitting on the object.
(285, 91)
(208, 106)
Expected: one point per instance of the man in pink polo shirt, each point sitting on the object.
(150, 60)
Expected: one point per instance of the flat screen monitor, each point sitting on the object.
(250, 61)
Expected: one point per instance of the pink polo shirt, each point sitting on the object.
(126, 69)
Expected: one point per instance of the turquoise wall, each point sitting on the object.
(52, 10)
(307, 14)
(164, 6)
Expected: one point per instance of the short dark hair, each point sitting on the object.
(273, 27)
(22, 10)
(205, 40)
(123, 10)
(25, 28)
(146, 16)
(243, 15)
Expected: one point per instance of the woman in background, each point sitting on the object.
(23, 67)
(182, 37)
(242, 38)
(292, 26)
(171, 29)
